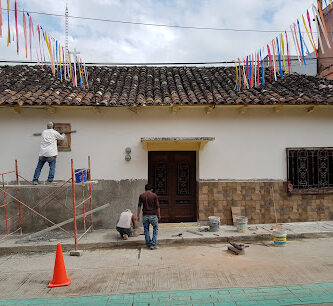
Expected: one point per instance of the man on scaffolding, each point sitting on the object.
(48, 152)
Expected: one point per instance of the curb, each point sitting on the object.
(164, 242)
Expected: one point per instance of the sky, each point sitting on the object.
(113, 42)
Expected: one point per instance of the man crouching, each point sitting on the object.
(126, 224)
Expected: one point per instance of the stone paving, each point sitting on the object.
(279, 295)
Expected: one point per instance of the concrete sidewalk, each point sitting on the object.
(191, 233)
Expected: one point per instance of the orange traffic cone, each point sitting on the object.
(59, 274)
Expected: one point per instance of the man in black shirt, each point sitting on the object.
(150, 215)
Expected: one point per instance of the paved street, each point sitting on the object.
(300, 273)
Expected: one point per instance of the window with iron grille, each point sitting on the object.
(310, 170)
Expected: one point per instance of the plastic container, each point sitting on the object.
(280, 237)
(241, 223)
(214, 223)
(78, 175)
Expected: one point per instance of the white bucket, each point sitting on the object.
(280, 237)
(241, 223)
(214, 223)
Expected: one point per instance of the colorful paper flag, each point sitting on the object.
(25, 34)
(8, 38)
(17, 36)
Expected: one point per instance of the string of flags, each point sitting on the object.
(66, 66)
(252, 70)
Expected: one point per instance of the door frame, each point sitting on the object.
(196, 183)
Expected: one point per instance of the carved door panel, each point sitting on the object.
(173, 176)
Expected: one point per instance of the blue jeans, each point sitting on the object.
(41, 161)
(153, 220)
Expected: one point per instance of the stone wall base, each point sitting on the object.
(216, 198)
(120, 194)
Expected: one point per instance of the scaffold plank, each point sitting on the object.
(57, 184)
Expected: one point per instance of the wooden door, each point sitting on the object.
(173, 176)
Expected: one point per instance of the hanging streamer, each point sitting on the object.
(288, 56)
(262, 71)
(274, 60)
(239, 71)
(329, 18)
(270, 64)
(57, 59)
(307, 49)
(60, 63)
(309, 21)
(283, 54)
(301, 41)
(322, 26)
(49, 47)
(246, 84)
(307, 31)
(322, 17)
(30, 34)
(258, 70)
(17, 37)
(79, 71)
(63, 62)
(252, 72)
(8, 38)
(295, 39)
(279, 57)
(255, 70)
(70, 65)
(25, 34)
(40, 49)
(236, 71)
(82, 74)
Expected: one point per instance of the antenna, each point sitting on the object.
(66, 28)
(66, 41)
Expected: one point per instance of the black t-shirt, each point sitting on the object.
(149, 201)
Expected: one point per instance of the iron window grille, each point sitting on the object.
(310, 170)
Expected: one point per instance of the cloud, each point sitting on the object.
(113, 42)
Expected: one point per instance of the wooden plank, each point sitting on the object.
(53, 185)
(40, 134)
(67, 221)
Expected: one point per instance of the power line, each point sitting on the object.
(150, 63)
(153, 24)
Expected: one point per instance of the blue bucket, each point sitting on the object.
(78, 175)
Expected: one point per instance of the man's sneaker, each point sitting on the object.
(125, 237)
(49, 183)
(35, 182)
(153, 247)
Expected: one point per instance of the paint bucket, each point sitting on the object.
(280, 237)
(78, 175)
(241, 223)
(214, 223)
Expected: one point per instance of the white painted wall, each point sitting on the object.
(248, 146)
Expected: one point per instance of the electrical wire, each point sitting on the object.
(153, 24)
(329, 58)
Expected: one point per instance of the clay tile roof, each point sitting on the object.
(141, 85)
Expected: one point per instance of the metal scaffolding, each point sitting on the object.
(15, 222)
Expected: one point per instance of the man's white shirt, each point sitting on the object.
(48, 146)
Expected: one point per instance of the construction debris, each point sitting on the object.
(237, 249)
(178, 235)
